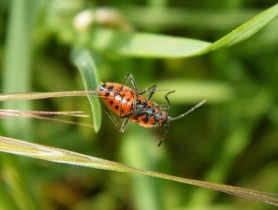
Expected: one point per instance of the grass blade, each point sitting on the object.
(6, 113)
(42, 95)
(246, 30)
(17, 71)
(159, 46)
(23, 148)
(87, 66)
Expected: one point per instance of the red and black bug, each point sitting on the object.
(129, 104)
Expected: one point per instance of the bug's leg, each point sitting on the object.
(186, 113)
(132, 81)
(152, 90)
(112, 118)
(147, 89)
(139, 106)
(120, 128)
(166, 97)
(167, 129)
(124, 125)
(166, 106)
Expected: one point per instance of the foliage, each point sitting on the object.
(232, 139)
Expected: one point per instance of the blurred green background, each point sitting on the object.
(233, 139)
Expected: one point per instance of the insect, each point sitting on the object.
(130, 105)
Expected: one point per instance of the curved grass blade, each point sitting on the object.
(87, 67)
(143, 44)
(23, 148)
(246, 30)
(159, 46)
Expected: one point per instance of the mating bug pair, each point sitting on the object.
(129, 104)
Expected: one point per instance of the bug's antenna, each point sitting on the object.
(178, 117)
(186, 113)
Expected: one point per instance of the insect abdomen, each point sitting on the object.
(116, 99)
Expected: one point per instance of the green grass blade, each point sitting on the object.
(87, 66)
(141, 44)
(17, 71)
(23, 148)
(159, 46)
(145, 45)
(42, 95)
(18, 60)
(246, 30)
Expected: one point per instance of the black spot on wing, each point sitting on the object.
(110, 88)
(106, 94)
(127, 100)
